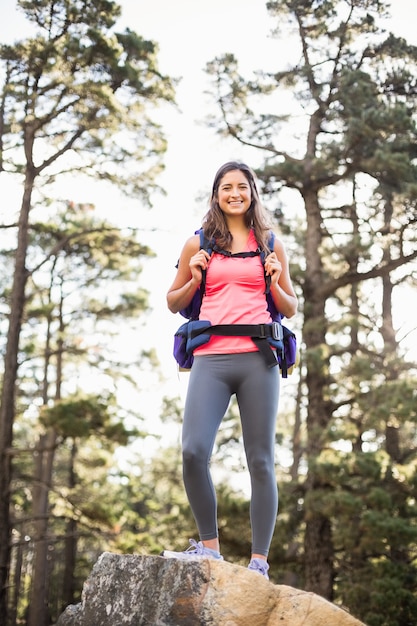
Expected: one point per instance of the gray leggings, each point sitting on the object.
(213, 380)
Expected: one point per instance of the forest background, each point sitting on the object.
(90, 418)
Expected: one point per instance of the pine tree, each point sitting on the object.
(75, 96)
(351, 166)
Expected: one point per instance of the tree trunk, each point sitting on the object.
(44, 464)
(17, 578)
(38, 608)
(70, 552)
(7, 408)
(297, 445)
(318, 549)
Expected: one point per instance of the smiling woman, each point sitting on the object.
(227, 365)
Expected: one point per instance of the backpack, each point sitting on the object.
(196, 332)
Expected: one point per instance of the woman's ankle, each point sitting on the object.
(212, 544)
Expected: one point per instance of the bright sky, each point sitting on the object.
(190, 33)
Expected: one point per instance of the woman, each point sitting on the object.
(226, 366)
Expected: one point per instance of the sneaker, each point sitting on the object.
(195, 551)
(260, 566)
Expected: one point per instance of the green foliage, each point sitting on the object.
(390, 600)
(156, 513)
(85, 88)
(85, 416)
(373, 509)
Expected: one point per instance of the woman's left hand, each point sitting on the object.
(273, 267)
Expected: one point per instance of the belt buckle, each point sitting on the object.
(277, 333)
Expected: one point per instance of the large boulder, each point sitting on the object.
(128, 590)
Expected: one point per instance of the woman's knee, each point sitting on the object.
(261, 468)
(194, 458)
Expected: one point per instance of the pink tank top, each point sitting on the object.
(235, 294)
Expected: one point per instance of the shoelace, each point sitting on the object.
(262, 567)
(196, 547)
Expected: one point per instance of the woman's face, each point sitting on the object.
(234, 194)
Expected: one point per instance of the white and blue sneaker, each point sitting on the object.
(260, 566)
(194, 552)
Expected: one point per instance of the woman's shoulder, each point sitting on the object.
(279, 248)
(192, 244)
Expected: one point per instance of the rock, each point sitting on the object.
(129, 590)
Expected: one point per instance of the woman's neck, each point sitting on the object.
(237, 225)
(240, 237)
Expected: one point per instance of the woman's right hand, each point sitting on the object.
(189, 274)
(199, 262)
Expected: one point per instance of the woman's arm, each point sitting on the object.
(276, 266)
(189, 274)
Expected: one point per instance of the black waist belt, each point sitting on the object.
(259, 333)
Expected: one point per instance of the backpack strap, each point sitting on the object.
(259, 333)
(193, 309)
(237, 255)
(271, 240)
(208, 245)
